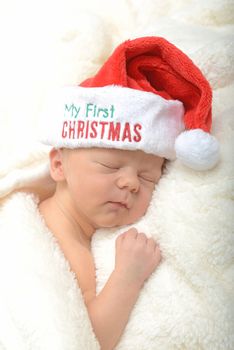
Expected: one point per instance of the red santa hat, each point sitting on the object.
(147, 96)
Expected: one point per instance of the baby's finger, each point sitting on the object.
(157, 254)
(119, 239)
(141, 237)
(131, 233)
(151, 244)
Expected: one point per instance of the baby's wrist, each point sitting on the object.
(126, 282)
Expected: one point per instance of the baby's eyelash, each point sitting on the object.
(109, 166)
(146, 178)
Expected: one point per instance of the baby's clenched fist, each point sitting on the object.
(136, 257)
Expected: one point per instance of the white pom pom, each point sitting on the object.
(197, 149)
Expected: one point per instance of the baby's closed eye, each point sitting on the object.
(149, 177)
(109, 166)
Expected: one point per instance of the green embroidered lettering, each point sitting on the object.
(72, 110)
(90, 108)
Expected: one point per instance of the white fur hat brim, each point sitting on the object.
(112, 117)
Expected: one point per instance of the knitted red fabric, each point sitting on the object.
(155, 65)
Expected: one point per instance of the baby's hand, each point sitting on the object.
(136, 257)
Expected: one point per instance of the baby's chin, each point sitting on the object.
(108, 223)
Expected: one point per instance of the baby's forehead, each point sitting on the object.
(119, 153)
(136, 157)
(139, 157)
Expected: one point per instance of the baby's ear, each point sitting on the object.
(56, 165)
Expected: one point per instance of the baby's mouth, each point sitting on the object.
(119, 204)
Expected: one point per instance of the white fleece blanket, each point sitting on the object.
(41, 305)
(188, 302)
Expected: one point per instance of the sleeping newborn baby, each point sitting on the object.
(110, 137)
(100, 187)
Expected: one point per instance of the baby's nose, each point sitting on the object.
(129, 179)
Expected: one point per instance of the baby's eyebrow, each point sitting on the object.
(148, 167)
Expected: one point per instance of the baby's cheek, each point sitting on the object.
(141, 205)
(146, 198)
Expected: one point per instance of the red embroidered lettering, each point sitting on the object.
(137, 128)
(103, 124)
(64, 132)
(72, 129)
(80, 129)
(93, 133)
(114, 131)
(127, 133)
(87, 130)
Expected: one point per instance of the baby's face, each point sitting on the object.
(111, 187)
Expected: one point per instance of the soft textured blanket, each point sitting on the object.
(41, 306)
(188, 302)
